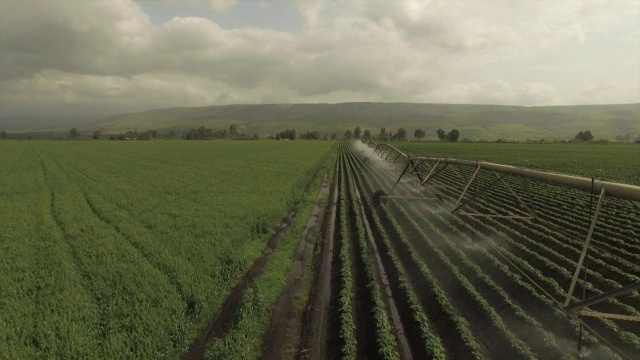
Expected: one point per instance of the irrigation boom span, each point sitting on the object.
(617, 190)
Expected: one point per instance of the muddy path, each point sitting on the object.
(283, 334)
(226, 316)
(316, 319)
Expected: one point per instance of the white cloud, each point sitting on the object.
(110, 54)
(222, 6)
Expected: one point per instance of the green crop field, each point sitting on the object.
(228, 250)
(614, 162)
(127, 249)
(416, 280)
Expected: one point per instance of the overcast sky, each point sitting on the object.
(120, 55)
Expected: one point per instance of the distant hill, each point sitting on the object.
(475, 122)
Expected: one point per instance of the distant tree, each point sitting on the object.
(97, 134)
(401, 134)
(74, 133)
(356, 132)
(367, 135)
(4, 135)
(383, 136)
(288, 134)
(419, 134)
(453, 135)
(584, 136)
(233, 130)
(441, 134)
(255, 137)
(348, 134)
(334, 136)
(310, 135)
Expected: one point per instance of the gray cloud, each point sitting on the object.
(109, 55)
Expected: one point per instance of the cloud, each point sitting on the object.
(113, 55)
(222, 6)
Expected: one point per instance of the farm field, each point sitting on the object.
(228, 250)
(613, 161)
(410, 280)
(128, 249)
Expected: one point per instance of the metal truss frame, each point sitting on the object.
(602, 188)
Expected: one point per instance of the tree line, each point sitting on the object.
(400, 134)
(204, 133)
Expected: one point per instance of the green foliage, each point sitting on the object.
(583, 136)
(74, 133)
(357, 132)
(366, 135)
(419, 134)
(383, 136)
(401, 134)
(128, 256)
(348, 134)
(288, 134)
(453, 135)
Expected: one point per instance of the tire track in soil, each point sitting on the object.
(226, 316)
(317, 317)
(285, 323)
(136, 245)
(78, 265)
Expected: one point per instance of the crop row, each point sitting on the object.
(544, 343)
(492, 203)
(513, 275)
(440, 314)
(549, 270)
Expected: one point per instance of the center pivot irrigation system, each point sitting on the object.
(427, 169)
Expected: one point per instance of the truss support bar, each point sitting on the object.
(406, 169)
(498, 216)
(608, 315)
(389, 154)
(456, 170)
(585, 247)
(524, 205)
(476, 195)
(419, 164)
(435, 171)
(375, 151)
(604, 296)
(408, 197)
(473, 177)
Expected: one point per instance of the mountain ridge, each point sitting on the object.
(475, 122)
